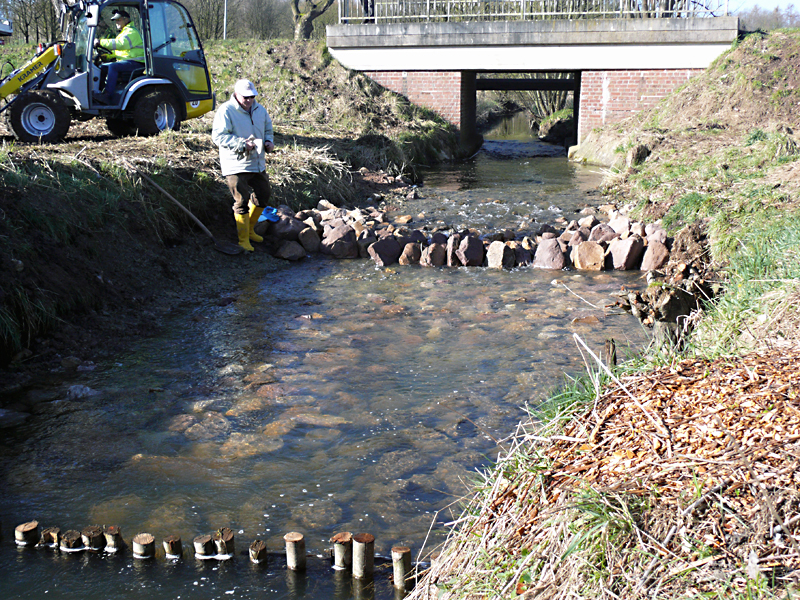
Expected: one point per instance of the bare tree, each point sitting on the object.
(265, 19)
(209, 17)
(23, 15)
(304, 21)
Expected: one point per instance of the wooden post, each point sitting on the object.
(114, 541)
(93, 538)
(363, 555)
(224, 542)
(610, 353)
(50, 537)
(71, 541)
(342, 550)
(203, 547)
(258, 551)
(401, 565)
(27, 534)
(173, 547)
(144, 546)
(295, 551)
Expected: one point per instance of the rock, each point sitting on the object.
(325, 205)
(522, 256)
(620, 224)
(340, 242)
(286, 228)
(626, 254)
(588, 222)
(470, 251)
(434, 255)
(70, 362)
(291, 250)
(80, 392)
(602, 233)
(549, 255)
(438, 238)
(580, 235)
(637, 155)
(638, 229)
(557, 131)
(365, 239)
(500, 256)
(385, 251)
(452, 248)
(588, 256)
(655, 256)
(309, 239)
(404, 219)
(655, 233)
(411, 254)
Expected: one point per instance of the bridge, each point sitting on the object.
(616, 61)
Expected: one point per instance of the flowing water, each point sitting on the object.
(330, 396)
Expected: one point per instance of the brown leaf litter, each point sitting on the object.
(695, 465)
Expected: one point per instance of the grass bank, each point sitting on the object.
(676, 476)
(81, 235)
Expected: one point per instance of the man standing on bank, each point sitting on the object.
(243, 131)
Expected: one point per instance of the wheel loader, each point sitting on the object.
(63, 81)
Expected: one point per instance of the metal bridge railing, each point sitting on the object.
(410, 11)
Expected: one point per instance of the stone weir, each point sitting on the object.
(584, 244)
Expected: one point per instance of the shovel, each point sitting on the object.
(221, 245)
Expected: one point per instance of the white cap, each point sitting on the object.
(245, 87)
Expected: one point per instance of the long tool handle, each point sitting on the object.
(171, 197)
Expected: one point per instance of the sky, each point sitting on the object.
(767, 5)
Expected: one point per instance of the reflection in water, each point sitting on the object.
(331, 396)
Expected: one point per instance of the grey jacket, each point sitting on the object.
(232, 126)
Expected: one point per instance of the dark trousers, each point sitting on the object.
(248, 187)
(113, 72)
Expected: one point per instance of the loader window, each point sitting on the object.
(82, 44)
(171, 30)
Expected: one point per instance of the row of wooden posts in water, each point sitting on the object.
(350, 552)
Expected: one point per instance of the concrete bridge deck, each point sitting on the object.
(619, 66)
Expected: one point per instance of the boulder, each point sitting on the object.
(549, 255)
(588, 222)
(655, 256)
(340, 242)
(438, 238)
(309, 239)
(452, 248)
(434, 255)
(385, 251)
(291, 250)
(500, 256)
(364, 240)
(602, 233)
(620, 224)
(588, 256)
(470, 251)
(522, 255)
(578, 236)
(626, 254)
(411, 254)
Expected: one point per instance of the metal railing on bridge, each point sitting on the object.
(410, 11)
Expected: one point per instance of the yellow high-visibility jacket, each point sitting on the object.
(128, 45)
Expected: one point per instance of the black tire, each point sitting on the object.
(39, 116)
(120, 127)
(156, 111)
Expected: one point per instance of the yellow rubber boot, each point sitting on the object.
(255, 212)
(243, 229)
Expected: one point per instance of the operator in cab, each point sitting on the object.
(125, 55)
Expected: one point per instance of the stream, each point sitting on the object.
(331, 396)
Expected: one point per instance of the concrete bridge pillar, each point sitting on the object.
(469, 138)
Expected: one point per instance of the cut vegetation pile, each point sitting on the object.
(688, 469)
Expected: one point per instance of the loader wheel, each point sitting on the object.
(156, 112)
(39, 116)
(120, 127)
